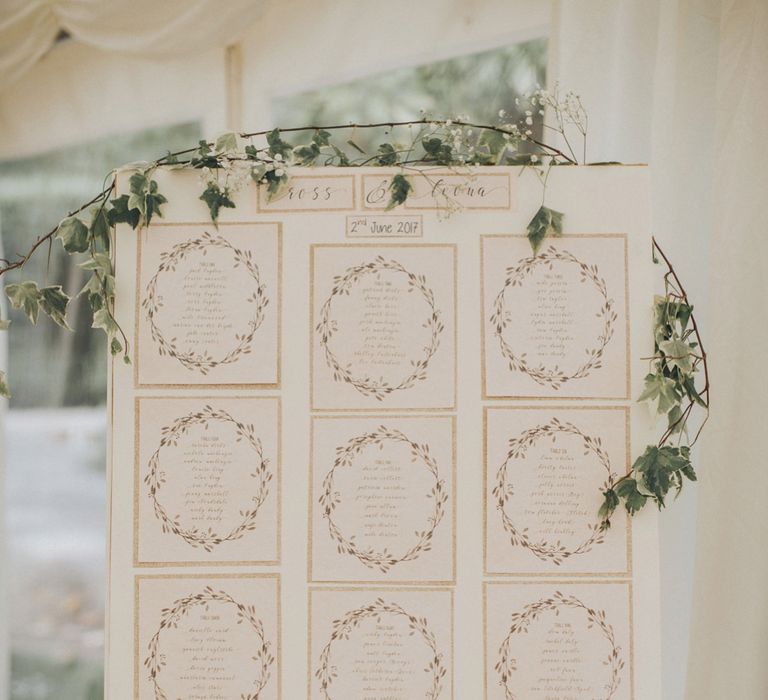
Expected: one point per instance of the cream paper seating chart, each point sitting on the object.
(360, 451)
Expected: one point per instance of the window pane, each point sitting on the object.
(477, 85)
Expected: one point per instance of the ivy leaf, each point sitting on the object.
(103, 319)
(277, 145)
(216, 198)
(386, 154)
(546, 222)
(5, 390)
(400, 187)
(53, 301)
(25, 296)
(121, 214)
(610, 503)
(438, 150)
(73, 234)
(661, 389)
(145, 197)
(627, 490)
(660, 468)
(258, 171)
(306, 155)
(678, 354)
(100, 226)
(226, 143)
(322, 137)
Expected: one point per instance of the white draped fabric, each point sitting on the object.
(151, 28)
(682, 84)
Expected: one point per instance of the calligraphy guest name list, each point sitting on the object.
(551, 319)
(382, 667)
(556, 500)
(206, 671)
(380, 337)
(379, 497)
(207, 461)
(560, 661)
(205, 316)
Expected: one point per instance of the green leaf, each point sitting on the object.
(73, 234)
(277, 145)
(306, 155)
(322, 137)
(216, 198)
(100, 226)
(399, 188)
(5, 324)
(678, 354)
(121, 214)
(103, 319)
(546, 222)
(661, 389)
(659, 468)
(25, 296)
(115, 347)
(610, 503)
(626, 489)
(226, 143)
(53, 301)
(5, 390)
(438, 150)
(387, 155)
(258, 171)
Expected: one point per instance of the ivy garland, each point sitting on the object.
(267, 158)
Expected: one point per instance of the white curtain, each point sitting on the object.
(153, 28)
(681, 84)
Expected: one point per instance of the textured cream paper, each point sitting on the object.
(559, 640)
(209, 305)
(383, 499)
(207, 637)
(607, 223)
(556, 324)
(546, 471)
(207, 480)
(384, 328)
(392, 643)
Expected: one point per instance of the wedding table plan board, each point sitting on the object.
(360, 451)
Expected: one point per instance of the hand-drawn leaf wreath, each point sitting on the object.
(553, 376)
(202, 361)
(327, 326)
(170, 618)
(506, 664)
(554, 552)
(343, 628)
(329, 499)
(155, 478)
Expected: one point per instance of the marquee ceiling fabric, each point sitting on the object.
(29, 28)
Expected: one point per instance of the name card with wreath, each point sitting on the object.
(561, 640)
(207, 481)
(383, 321)
(208, 637)
(546, 472)
(556, 323)
(383, 499)
(209, 304)
(381, 643)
